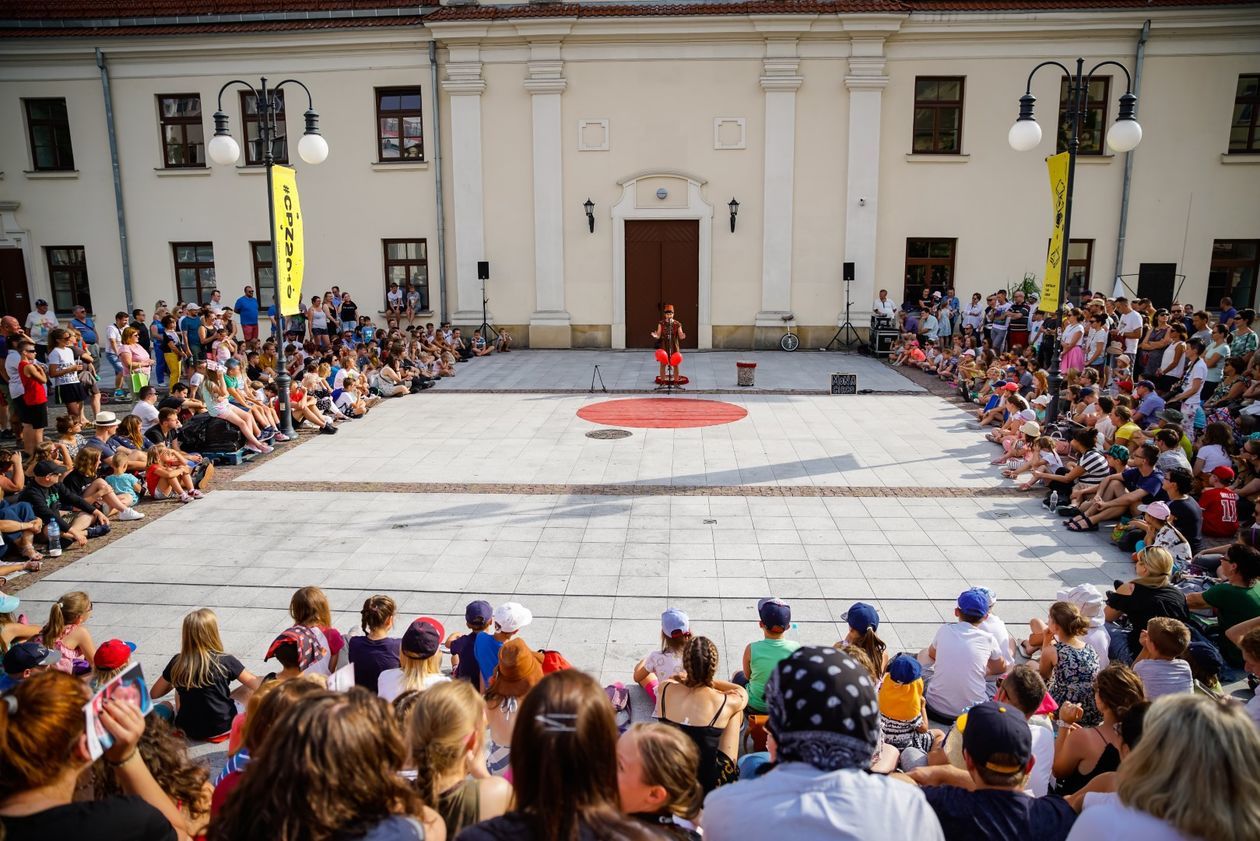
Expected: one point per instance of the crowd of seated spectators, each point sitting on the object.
(95, 466)
(478, 734)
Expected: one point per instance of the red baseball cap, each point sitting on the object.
(113, 654)
(1225, 473)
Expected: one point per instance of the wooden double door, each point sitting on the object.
(662, 267)
(13, 294)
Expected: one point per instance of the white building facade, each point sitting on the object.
(870, 133)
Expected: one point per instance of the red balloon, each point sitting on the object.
(676, 359)
(662, 356)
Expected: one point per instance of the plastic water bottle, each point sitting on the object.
(793, 633)
(54, 539)
(1054, 500)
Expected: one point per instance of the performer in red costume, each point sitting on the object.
(669, 335)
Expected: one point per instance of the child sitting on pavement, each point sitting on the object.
(760, 657)
(902, 710)
(478, 616)
(964, 656)
(863, 623)
(1164, 642)
(666, 661)
(124, 484)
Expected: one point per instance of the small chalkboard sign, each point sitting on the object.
(844, 384)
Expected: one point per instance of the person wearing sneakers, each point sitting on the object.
(963, 655)
(760, 657)
(48, 496)
(997, 747)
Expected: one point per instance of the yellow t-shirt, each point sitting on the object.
(1125, 432)
(901, 701)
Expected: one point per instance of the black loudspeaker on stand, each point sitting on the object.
(847, 336)
(483, 274)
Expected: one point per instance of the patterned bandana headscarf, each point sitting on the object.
(823, 710)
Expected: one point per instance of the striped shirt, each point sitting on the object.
(1095, 466)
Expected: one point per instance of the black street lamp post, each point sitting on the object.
(1123, 136)
(313, 149)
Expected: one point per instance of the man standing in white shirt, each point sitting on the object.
(39, 323)
(1130, 326)
(964, 657)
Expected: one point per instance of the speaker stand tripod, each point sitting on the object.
(486, 327)
(847, 330)
(596, 374)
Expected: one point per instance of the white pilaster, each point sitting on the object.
(780, 80)
(866, 82)
(464, 86)
(549, 324)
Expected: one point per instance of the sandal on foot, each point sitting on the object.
(1075, 524)
(1068, 511)
(33, 562)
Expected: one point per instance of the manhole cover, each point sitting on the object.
(608, 434)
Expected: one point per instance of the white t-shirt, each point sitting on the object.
(1096, 338)
(1197, 372)
(885, 308)
(395, 297)
(39, 326)
(11, 364)
(216, 307)
(1098, 639)
(1105, 818)
(390, 683)
(63, 357)
(1129, 322)
(1253, 708)
(113, 338)
(996, 628)
(963, 654)
(1213, 456)
(148, 414)
(1038, 784)
(663, 664)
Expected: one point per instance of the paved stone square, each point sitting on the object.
(443, 497)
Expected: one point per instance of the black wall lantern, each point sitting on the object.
(734, 206)
(589, 207)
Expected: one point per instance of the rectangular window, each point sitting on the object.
(1093, 116)
(1080, 259)
(264, 273)
(194, 271)
(929, 263)
(399, 125)
(183, 135)
(48, 125)
(1244, 132)
(67, 269)
(253, 144)
(938, 112)
(407, 262)
(1235, 263)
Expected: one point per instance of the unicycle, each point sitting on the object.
(790, 341)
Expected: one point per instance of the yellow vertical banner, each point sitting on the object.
(289, 259)
(1058, 166)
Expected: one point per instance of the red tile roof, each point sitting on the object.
(115, 9)
(207, 28)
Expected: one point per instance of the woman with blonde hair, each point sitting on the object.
(656, 779)
(67, 633)
(420, 660)
(310, 610)
(202, 675)
(220, 406)
(135, 359)
(1195, 774)
(446, 732)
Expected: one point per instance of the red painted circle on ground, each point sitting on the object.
(661, 413)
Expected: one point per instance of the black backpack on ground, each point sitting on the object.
(205, 434)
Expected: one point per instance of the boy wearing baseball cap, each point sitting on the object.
(24, 659)
(478, 616)
(997, 747)
(1219, 503)
(964, 656)
(760, 657)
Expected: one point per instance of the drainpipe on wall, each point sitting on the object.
(118, 194)
(1128, 158)
(437, 172)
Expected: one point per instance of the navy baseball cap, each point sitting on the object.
(861, 617)
(774, 613)
(1146, 384)
(905, 669)
(994, 730)
(973, 603)
(479, 612)
(28, 655)
(1087, 390)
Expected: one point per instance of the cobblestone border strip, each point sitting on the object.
(781, 392)
(627, 490)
